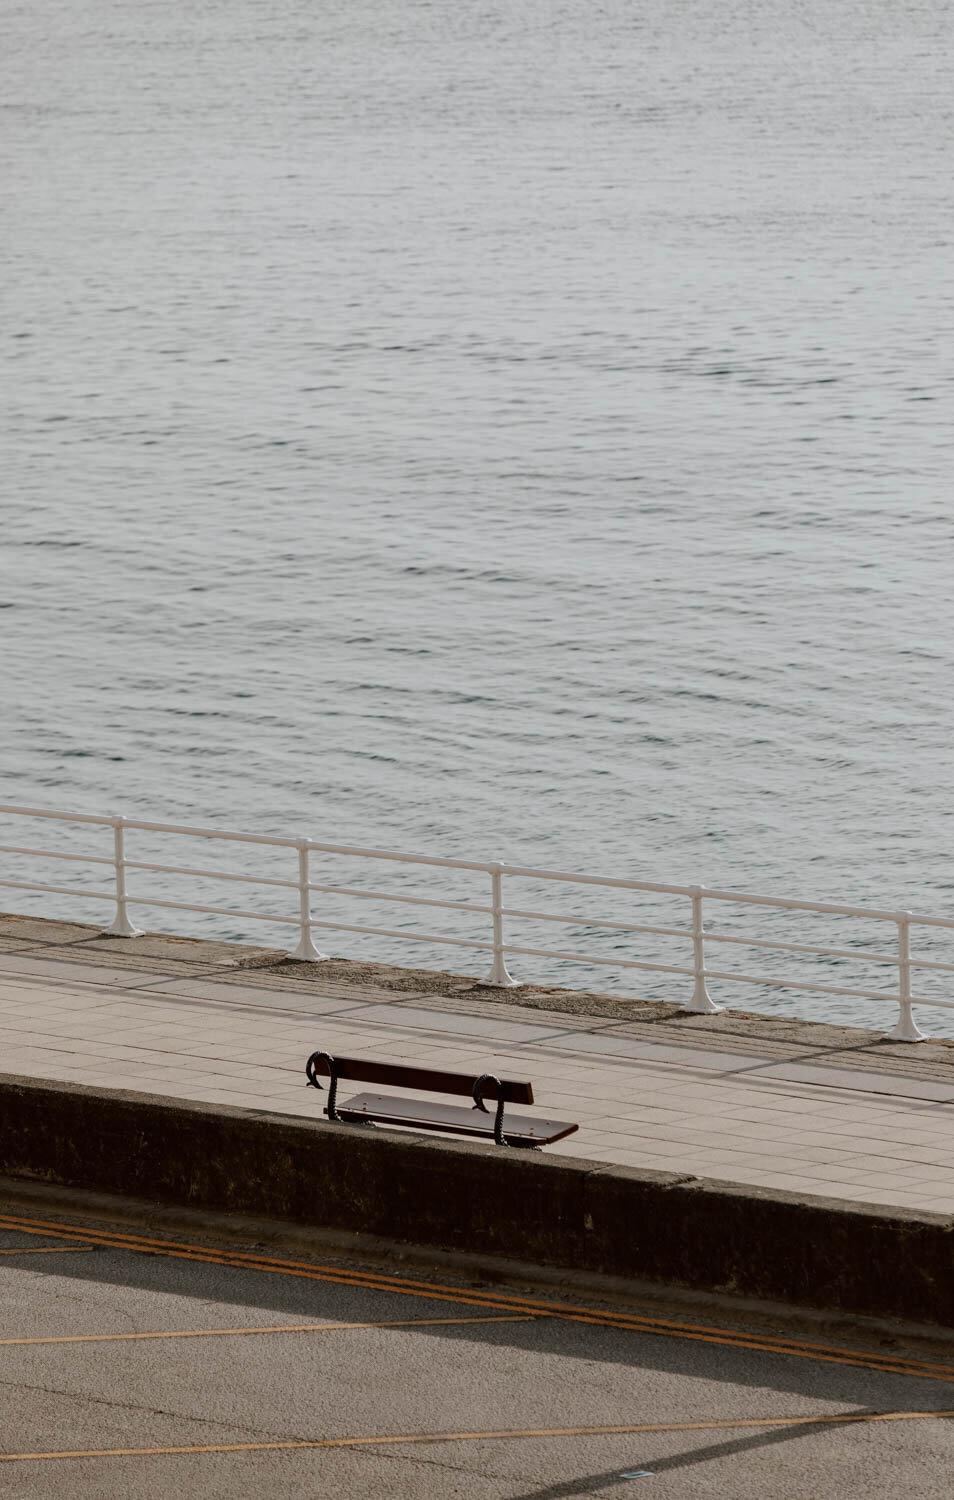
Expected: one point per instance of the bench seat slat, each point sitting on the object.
(530, 1130)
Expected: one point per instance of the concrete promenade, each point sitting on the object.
(804, 1108)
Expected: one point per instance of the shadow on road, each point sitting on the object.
(592, 1484)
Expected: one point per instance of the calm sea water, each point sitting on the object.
(512, 431)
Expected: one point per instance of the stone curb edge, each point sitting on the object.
(548, 1211)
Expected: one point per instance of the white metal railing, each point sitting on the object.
(699, 1000)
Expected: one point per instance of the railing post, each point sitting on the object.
(306, 952)
(907, 1029)
(120, 925)
(702, 1002)
(499, 976)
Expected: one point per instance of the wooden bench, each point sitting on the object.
(418, 1114)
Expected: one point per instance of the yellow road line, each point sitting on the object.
(436, 1291)
(285, 1444)
(375, 1281)
(219, 1333)
(48, 1250)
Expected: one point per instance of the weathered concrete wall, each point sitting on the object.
(546, 1210)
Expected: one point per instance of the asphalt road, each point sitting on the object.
(303, 1379)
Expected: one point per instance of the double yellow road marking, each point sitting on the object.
(501, 1302)
(47, 1250)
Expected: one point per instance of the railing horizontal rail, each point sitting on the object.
(60, 890)
(218, 911)
(801, 984)
(783, 903)
(618, 882)
(141, 864)
(107, 820)
(542, 916)
(275, 840)
(63, 817)
(333, 890)
(590, 958)
(409, 859)
(88, 859)
(751, 942)
(413, 937)
(348, 890)
(292, 843)
(743, 898)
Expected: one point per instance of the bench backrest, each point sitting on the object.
(428, 1080)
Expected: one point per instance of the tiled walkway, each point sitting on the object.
(207, 1031)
